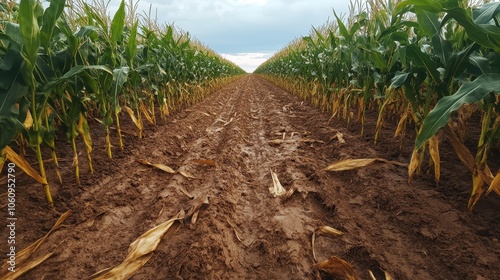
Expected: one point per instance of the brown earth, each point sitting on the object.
(412, 231)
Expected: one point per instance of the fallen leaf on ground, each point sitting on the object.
(288, 194)
(338, 268)
(19, 271)
(325, 230)
(24, 254)
(386, 275)
(157, 165)
(349, 164)
(277, 189)
(139, 252)
(339, 137)
(235, 231)
(187, 175)
(184, 191)
(196, 205)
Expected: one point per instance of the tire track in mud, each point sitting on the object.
(245, 231)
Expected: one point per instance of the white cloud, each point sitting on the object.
(248, 61)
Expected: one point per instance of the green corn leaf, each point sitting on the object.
(132, 44)
(486, 35)
(333, 43)
(29, 11)
(458, 61)
(481, 62)
(485, 13)
(12, 89)
(399, 79)
(342, 28)
(9, 130)
(50, 17)
(468, 93)
(13, 32)
(423, 60)
(430, 5)
(117, 24)
(429, 22)
(120, 76)
(73, 72)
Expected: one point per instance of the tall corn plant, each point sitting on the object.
(59, 69)
(479, 84)
(418, 60)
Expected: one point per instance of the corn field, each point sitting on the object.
(432, 64)
(69, 63)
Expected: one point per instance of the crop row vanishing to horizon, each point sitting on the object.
(434, 64)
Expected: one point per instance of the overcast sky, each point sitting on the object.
(246, 32)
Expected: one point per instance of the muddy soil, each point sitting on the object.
(411, 230)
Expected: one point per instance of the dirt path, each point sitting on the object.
(412, 231)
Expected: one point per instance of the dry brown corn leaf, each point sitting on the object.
(187, 175)
(386, 275)
(196, 205)
(25, 268)
(349, 164)
(463, 153)
(157, 165)
(414, 163)
(477, 190)
(146, 113)
(24, 165)
(235, 231)
(184, 191)
(495, 184)
(25, 253)
(402, 122)
(277, 189)
(28, 122)
(434, 152)
(139, 252)
(466, 156)
(131, 113)
(325, 230)
(340, 137)
(338, 268)
(288, 194)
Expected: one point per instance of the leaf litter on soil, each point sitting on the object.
(139, 252)
(157, 165)
(277, 189)
(338, 268)
(325, 230)
(349, 164)
(24, 254)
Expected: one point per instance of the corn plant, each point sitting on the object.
(419, 61)
(68, 64)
